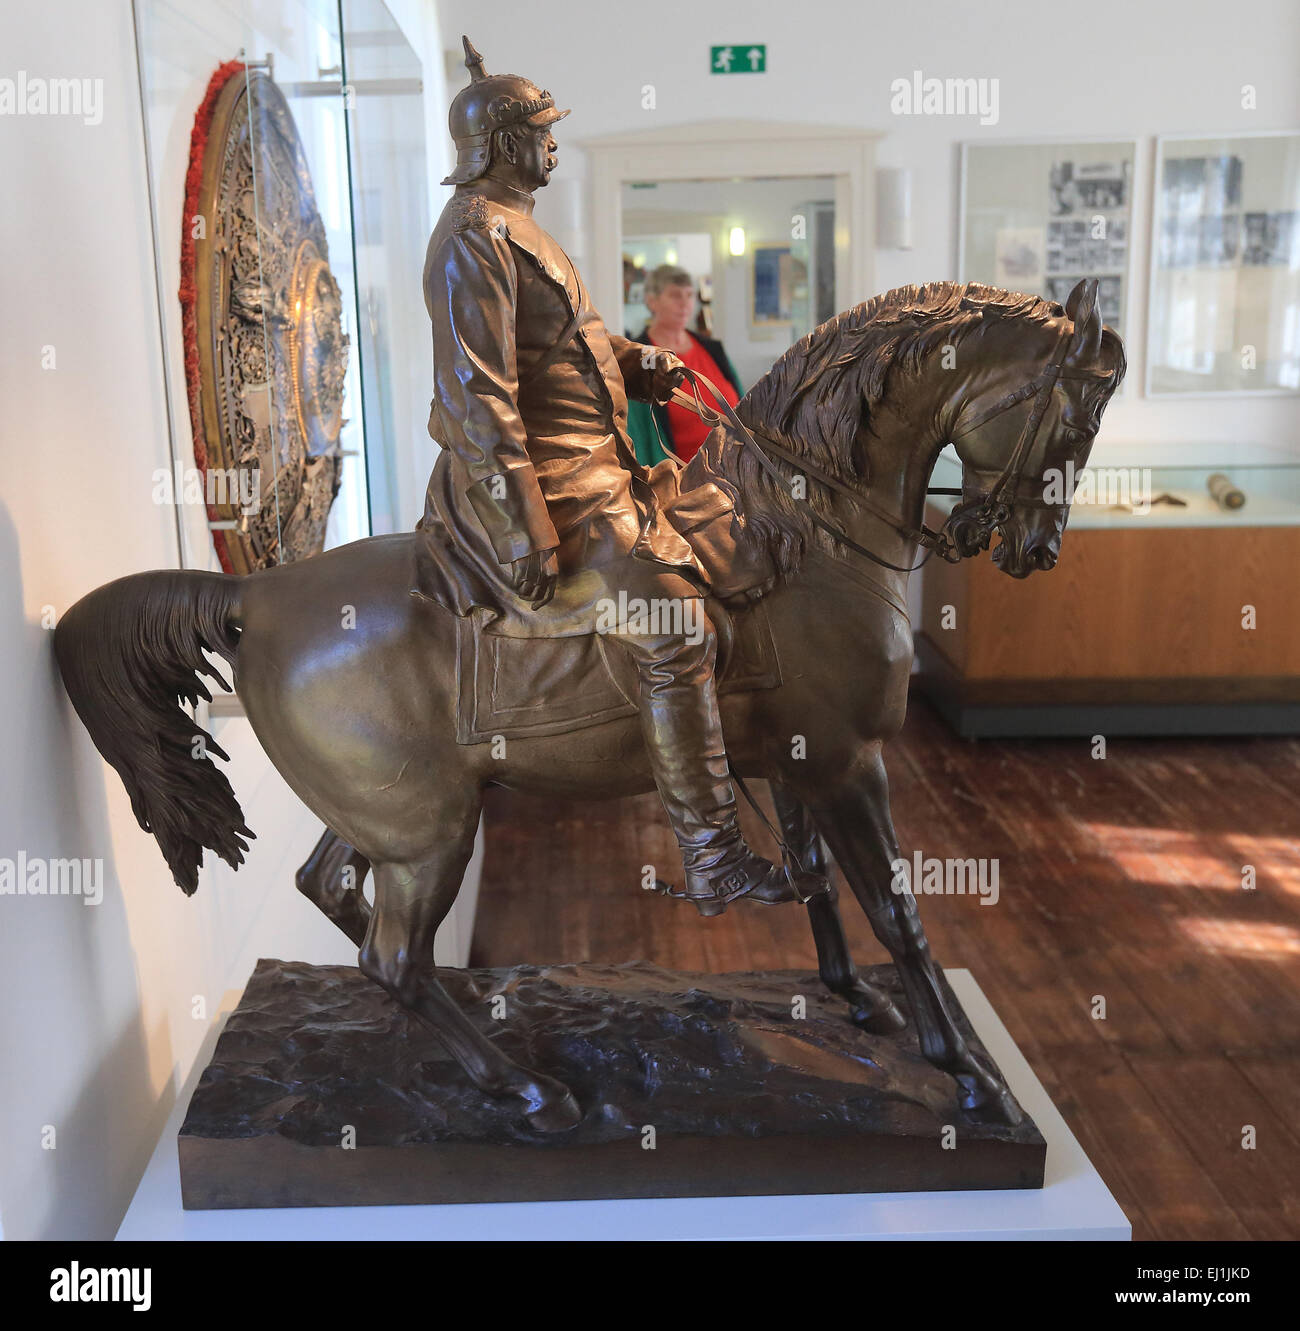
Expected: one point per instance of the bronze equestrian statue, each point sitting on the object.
(806, 505)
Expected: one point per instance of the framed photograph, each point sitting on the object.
(1036, 217)
(780, 278)
(1225, 266)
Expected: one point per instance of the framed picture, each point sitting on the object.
(1225, 266)
(780, 279)
(1036, 217)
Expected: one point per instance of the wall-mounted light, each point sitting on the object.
(894, 208)
(736, 241)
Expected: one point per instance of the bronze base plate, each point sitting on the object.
(744, 1096)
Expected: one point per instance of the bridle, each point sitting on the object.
(984, 510)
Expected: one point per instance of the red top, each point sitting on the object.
(689, 432)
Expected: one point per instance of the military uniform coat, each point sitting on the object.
(530, 406)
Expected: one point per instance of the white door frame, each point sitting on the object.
(725, 150)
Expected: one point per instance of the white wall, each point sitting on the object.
(97, 1020)
(1111, 68)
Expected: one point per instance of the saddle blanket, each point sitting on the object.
(521, 687)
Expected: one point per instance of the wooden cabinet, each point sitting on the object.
(1138, 630)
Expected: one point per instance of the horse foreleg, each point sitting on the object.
(411, 901)
(871, 1009)
(331, 878)
(857, 824)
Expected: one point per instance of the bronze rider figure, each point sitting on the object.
(531, 409)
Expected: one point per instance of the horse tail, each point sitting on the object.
(130, 652)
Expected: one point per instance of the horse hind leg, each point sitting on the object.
(871, 1009)
(332, 878)
(411, 901)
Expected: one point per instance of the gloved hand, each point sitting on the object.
(669, 373)
(534, 576)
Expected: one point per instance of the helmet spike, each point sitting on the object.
(473, 61)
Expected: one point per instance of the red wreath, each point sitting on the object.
(188, 292)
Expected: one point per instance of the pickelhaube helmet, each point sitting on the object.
(492, 101)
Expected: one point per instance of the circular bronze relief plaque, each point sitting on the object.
(265, 353)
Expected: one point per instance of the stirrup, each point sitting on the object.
(806, 888)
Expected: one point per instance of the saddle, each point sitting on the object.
(516, 688)
(519, 687)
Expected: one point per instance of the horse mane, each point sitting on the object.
(819, 394)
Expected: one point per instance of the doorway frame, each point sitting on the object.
(729, 150)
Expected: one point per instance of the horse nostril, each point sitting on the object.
(1045, 558)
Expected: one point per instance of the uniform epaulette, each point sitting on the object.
(469, 210)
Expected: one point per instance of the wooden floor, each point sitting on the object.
(1120, 879)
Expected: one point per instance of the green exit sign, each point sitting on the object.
(738, 59)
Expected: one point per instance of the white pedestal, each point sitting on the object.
(1073, 1203)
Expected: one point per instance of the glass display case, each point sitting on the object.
(1260, 494)
(388, 161)
(287, 177)
(1171, 609)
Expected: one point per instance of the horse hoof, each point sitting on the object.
(887, 1020)
(1005, 1110)
(553, 1108)
(989, 1103)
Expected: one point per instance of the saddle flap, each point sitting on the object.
(520, 687)
(517, 688)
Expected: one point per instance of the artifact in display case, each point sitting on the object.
(265, 351)
(566, 620)
(1224, 493)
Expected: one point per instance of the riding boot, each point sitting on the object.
(683, 734)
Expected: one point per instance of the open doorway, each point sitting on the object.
(721, 168)
(760, 252)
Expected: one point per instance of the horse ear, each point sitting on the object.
(1084, 310)
(1073, 299)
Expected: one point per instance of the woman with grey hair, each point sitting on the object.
(670, 298)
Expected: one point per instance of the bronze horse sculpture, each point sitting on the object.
(360, 717)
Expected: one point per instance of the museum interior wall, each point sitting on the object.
(1123, 75)
(105, 1006)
